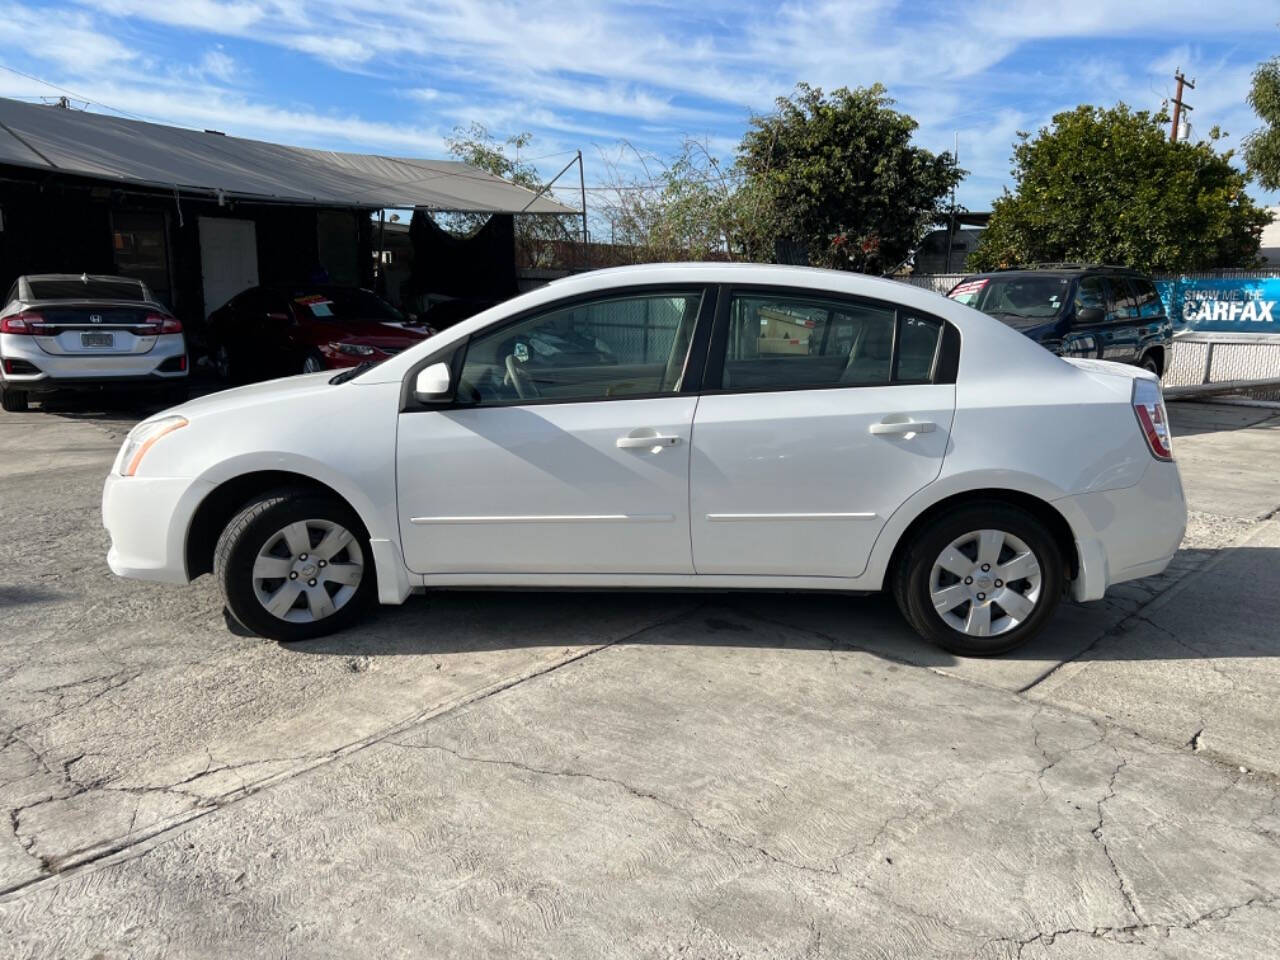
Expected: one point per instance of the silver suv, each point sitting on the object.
(67, 332)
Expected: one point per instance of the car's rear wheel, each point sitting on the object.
(14, 401)
(295, 565)
(980, 580)
(224, 364)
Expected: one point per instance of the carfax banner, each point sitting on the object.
(1222, 304)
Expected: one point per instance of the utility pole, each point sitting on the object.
(1178, 105)
(951, 221)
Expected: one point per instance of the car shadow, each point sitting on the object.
(1192, 418)
(1119, 628)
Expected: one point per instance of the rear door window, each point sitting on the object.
(1148, 299)
(791, 342)
(1124, 299)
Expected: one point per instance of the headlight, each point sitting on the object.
(142, 437)
(354, 349)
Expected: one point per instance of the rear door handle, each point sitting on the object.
(898, 427)
(653, 440)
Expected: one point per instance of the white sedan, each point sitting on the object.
(669, 427)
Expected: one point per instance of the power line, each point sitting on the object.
(96, 103)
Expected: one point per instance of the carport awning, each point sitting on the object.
(153, 155)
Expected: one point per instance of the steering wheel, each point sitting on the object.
(518, 378)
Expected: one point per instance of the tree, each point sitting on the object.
(686, 208)
(535, 233)
(1107, 186)
(1262, 148)
(839, 176)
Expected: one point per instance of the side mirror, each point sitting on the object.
(432, 384)
(1089, 315)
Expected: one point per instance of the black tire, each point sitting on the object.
(225, 364)
(252, 529)
(314, 357)
(911, 576)
(14, 401)
(1148, 363)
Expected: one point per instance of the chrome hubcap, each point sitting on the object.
(311, 365)
(985, 583)
(307, 571)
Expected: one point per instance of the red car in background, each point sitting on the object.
(275, 331)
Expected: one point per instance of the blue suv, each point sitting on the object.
(1078, 310)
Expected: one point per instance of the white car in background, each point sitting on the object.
(62, 332)
(707, 426)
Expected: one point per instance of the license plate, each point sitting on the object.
(97, 340)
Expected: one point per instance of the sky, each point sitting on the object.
(621, 81)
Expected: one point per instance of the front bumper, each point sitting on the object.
(1126, 534)
(147, 519)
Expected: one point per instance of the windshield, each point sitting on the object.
(90, 289)
(1026, 297)
(338, 303)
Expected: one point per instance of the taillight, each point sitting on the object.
(21, 323)
(1148, 405)
(163, 324)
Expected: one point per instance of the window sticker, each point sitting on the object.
(318, 304)
(968, 291)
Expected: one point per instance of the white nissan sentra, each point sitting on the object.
(669, 427)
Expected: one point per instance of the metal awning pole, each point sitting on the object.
(382, 249)
(582, 185)
(549, 183)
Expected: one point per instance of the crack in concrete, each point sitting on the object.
(634, 791)
(73, 861)
(1134, 931)
(1097, 832)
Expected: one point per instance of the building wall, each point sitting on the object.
(64, 225)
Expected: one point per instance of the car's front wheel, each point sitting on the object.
(294, 565)
(980, 580)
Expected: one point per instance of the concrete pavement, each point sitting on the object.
(581, 775)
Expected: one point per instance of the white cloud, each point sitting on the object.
(577, 71)
(217, 65)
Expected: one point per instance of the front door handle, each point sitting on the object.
(899, 427)
(652, 440)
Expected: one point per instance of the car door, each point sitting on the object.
(1083, 337)
(820, 415)
(1120, 335)
(1153, 326)
(566, 449)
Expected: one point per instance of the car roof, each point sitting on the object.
(989, 343)
(1060, 270)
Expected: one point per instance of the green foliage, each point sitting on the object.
(838, 174)
(1262, 148)
(535, 233)
(1107, 186)
(689, 209)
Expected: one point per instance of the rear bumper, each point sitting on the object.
(147, 519)
(1126, 534)
(89, 371)
(53, 384)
